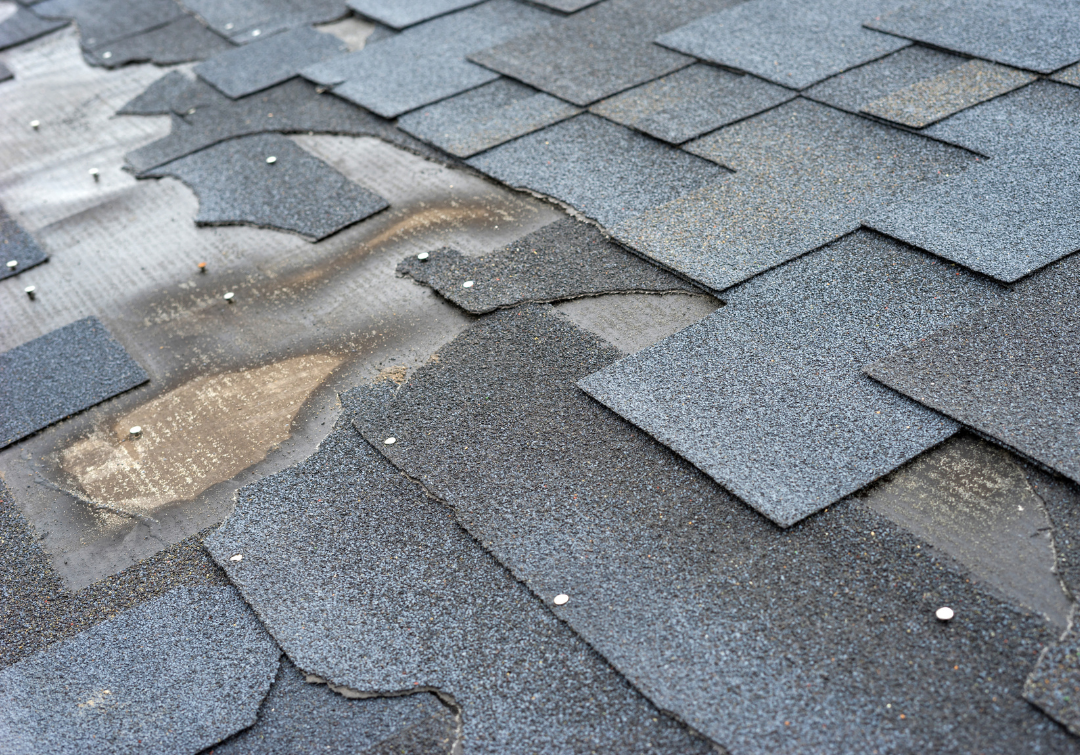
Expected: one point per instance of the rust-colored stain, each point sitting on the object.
(201, 433)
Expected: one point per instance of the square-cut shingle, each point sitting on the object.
(245, 21)
(608, 172)
(103, 21)
(791, 42)
(172, 676)
(485, 117)
(269, 60)
(426, 62)
(691, 102)
(600, 51)
(18, 246)
(1038, 35)
(59, 374)
(24, 25)
(398, 14)
(1070, 75)
(179, 41)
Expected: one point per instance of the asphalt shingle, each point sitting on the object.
(179, 41)
(1070, 75)
(245, 21)
(25, 25)
(102, 22)
(16, 245)
(172, 93)
(398, 14)
(1054, 685)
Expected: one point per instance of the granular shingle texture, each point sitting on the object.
(168, 95)
(398, 14)
(564, 260)
(245, 21)
(791, 42)
(690, 102)
(485, 117)
(179, 41)
(1011, 371)
(600, 51)
(59, 374)
(102, 22)
(237, 184)
(819, 638)
(24, 25)
(566, 6)
(573, 162)
(269, 60)
(1054, 685)
(426, 63)
(804, 172)
(1070, 75)
(174, 675)
(1039, 35)
(392, 595)
(16, 245)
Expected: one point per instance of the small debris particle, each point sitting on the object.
(390, 441)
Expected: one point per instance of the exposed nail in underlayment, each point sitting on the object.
(94, 173)
(202, 267)
(31, 291)
(229, 296)
(35, 125)
(135, 431)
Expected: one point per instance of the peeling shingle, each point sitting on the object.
(24, 25)
(398, 14)
(16, 245)
(245, 21)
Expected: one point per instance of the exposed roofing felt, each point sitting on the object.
(564, 260)
(173, 675)
(820, 638)
(266, 180)
(245, 21)
(803, 173)
(485, 117)
(59, 374)
(398, 14)
(179, 41)
(571, 161)
(1070, 75)
(24, 25)
(1054, 685)
(394, 596)
(791, 42)
(101, 22)
(427, 62)
(1040, 35)
(16, 245)
(690, 102)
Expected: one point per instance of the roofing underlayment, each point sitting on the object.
(554, 376)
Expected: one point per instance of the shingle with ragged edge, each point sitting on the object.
(394, 596)
(804, 173)
(399, 14)
(819, 638)
(791, 42)
(1054, 685)
(101, 22)
(59, 374)
(24, 25)
(1011, 371)
(298, 192)
(16, 245)
(1039, 35)
(174, 675)
(600, 51)
(690, 102)
(1070, 75)
(269, 60)
(606, 171)
(179, 41)
(426, 63)
(564, 260)
(245, 21)
(173, 93)
(485, 117)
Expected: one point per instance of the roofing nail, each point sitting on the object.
(202, 267)
(561, 599)
(35, 125)
(422, 256)
(106, 55)
(256, 33)
(944, 614)
(271, 159)
(191, 111)
(390, 441)
(135, 432)
(237, 557)
(467, 284)
(94, 173)
(31, 291)
(229, 296)
(12, 264)
(228, 26)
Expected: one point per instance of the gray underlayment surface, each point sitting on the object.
(1009, 371)
(367, 582)
(245, 21)
(571, 162)
(816, 639)
(426, 63)
(564, 260)
(803, 174)
(59, 374)
(16, 245)
(767, 395)
(179, 41)
(237, 184)
(398, 14)
(795, 43)
(25, 25)
(173, 675)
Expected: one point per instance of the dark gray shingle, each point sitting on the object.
(398, 14)
(16, 245)
(24, 25)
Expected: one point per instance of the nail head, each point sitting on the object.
(229, 296)
(422, 256)
(35, 125)
(202, 267)
(256, 33)
(31, 291)
(12, 264)
(467, 284)
(271, 159)
(944, 614)
(106, 55)
(135, 432)
(237, 557)
(561, 599)
(390, 441)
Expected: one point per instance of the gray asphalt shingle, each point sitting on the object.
(179, 41)
(245, 21)
(398, 14)
(24, 25)
(101, 22)
(16, 245)
(1070, 75)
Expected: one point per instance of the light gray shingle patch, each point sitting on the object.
(16, 245)
(1070, 75)
(691, 102)
(245, 21)
(608, 172)
(59, 374)
(101, 22)
(393, 595)
(174, 675)
(236, 184)
(795, 43)
(485, 117)
(1054, 685)
(398, 14)
(269, 60)
(804, 171)
(1038, 35)
(426, 63)
(25, 25)
(1010, 371)
(928, 101)
(565, 260)
(817, 638)
(600, 51)
(179, 41)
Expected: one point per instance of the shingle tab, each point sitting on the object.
(398, 14)
(245, 21)
(1070, 75)
(16, 245)
(179, 41)
(24, 25)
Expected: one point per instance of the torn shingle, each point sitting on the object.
(245, 21)
(485, 117)
(1038, 35)
(426, 63)
(394, 596)
(269, 60)
(600, 51)
(59, 374)
(795, 43)
(572, 162)
(16, 245)
(179, 41)
(25, 25)
(1070, 75)
(565, 260)
(102, 22)
(397, 14)
(819, 638)
(172, 93)
(173, 675)
(238, 184)
(1054, 685)
(690, 102)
